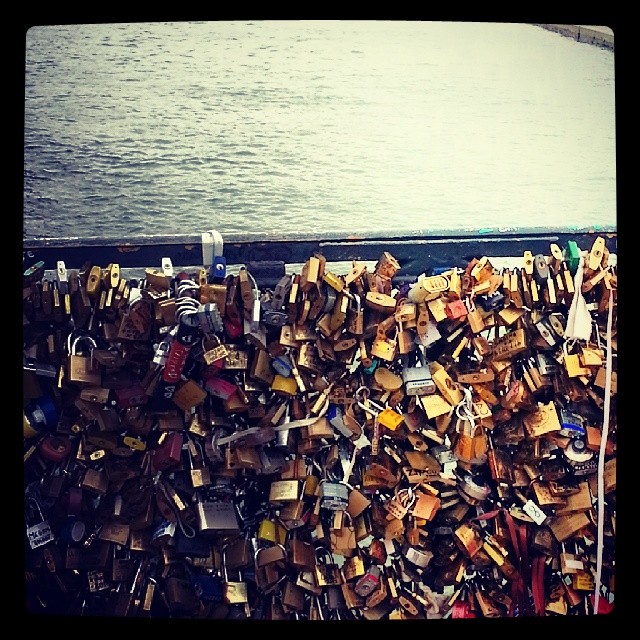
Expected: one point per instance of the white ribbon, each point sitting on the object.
(579, 320)
(603, 445)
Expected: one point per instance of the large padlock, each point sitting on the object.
(82, 369)
(216, 517)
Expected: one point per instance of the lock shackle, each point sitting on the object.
(324, 554)
(72, 341)
(32, 499)
(223, 562)
(317, 601)
(362, 394)
(212, 247)
(256, 553)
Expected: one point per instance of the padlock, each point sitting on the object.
(419, 557)
(283, 491)
(293, 596)
(335, 599)
(377, 551)
(417, 379)
(384, 348)
(333, 495)
(455, 310)
(271, 531)
(239, 553)
(275, 554)
(180, 595)
(353, 567)
(200, 475)
(216, 517)
(307, 580)
(368, 582)
(39, 532)
(95, 481)
(379, 595)
(82, 369)
(327, 572)
(234, 591)
(168, 453)
(267, 576)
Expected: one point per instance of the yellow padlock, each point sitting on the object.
(390, 419)
(281, 384)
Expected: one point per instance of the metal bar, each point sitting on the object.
(416, 252)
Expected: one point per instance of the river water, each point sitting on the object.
(176, 128)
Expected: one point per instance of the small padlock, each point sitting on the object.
(200, 475)
(417, 379)
(233, 591)
(327, 572)
(369, 582)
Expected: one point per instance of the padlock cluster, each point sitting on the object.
(337, 446)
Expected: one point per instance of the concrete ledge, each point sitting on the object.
(600, 36)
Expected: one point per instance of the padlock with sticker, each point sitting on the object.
(333, 495)
(39, 530)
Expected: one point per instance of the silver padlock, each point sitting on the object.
(216, 517)
(420, 557)
(38, 528)
(210, 318)
(417, 379)
(334, 495)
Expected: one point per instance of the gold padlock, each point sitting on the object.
(82, 368)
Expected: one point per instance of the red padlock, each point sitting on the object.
(72, 501)
(55, 448)
(462, 609)
(133, 396)
(455, 309)
(604, 606)
(168, 454)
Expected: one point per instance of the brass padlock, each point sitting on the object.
(200, 474)
(292, 595)
(282, 491)
(302, 555)
(327, 571)
(82, 368)
(233, 591)
(384, 348)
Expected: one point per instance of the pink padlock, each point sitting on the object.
(455, 309)
(220, 387)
